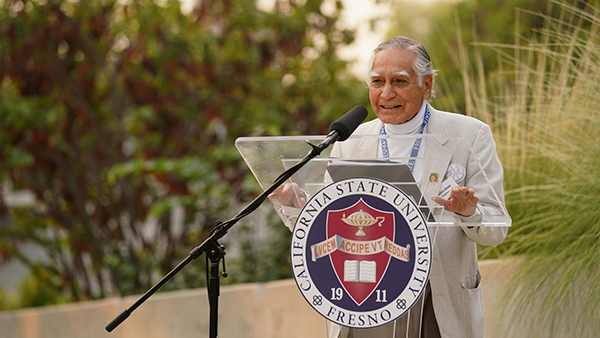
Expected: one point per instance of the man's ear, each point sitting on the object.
(427, 86)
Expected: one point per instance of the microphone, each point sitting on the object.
(343, 127)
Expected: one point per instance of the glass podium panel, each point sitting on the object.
(268, 157)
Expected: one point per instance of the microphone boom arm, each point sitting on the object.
(340, 130)
(220, 230)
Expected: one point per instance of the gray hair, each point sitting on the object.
(421, 64)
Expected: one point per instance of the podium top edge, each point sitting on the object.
(321, 137)
(280, 138)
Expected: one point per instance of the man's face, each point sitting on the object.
(393, 89)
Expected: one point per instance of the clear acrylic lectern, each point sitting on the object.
(448, 160)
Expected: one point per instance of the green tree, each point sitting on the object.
(115, 113)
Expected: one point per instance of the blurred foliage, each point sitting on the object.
(121, 115)
(35, 291)
(257, 261)
(4, 300)
(542, 103)
(530, 69)
(448, 30)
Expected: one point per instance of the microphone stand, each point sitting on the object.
(216, 252)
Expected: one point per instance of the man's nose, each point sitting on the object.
(388, 91)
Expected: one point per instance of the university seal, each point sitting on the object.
(361, 252)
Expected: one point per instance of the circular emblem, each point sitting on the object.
(361, 252)
(457, 171)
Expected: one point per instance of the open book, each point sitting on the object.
(359, 271)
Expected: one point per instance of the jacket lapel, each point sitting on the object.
(437, 156)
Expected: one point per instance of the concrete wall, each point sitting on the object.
(270, 310)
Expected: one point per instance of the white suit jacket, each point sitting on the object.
(454, 277)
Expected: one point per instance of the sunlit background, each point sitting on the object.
(118, 121)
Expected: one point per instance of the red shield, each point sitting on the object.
(359, 263)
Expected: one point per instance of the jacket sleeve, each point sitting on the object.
(485, 176)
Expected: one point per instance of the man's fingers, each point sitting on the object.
(289, 194)
(299, 202)
(439, 200)
(461, 201)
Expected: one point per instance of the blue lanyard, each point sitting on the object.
(416, 146)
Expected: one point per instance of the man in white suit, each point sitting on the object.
(400, 80)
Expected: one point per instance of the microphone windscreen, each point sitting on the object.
(346, 124)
